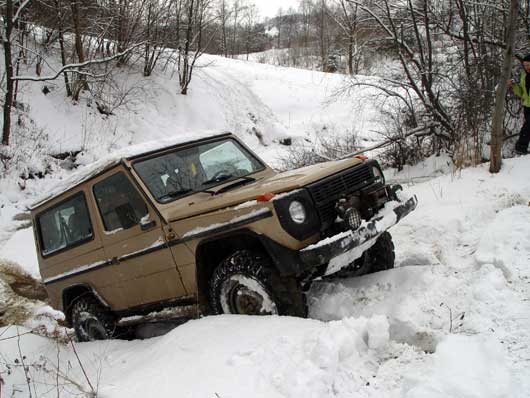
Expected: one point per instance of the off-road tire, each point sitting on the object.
(91, 321)
(380, 256)
(285, 293)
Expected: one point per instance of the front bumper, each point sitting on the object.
(342, 249)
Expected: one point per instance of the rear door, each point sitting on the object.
(134, 242)
(68, 244)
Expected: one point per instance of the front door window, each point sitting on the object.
(120, 204)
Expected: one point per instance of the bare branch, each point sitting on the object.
(76, 67)
(390, 141)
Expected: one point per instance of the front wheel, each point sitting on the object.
(379, 257)
(247, 283)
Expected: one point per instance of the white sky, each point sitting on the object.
(269, 8)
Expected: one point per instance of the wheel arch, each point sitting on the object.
(73, 292)
(212, 251)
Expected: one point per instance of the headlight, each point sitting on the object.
(378, 174)
(297, 212)
(353, 218)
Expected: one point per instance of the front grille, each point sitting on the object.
(328, 191)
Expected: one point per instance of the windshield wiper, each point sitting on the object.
(238, 183)
(222, 177)
(176, 193)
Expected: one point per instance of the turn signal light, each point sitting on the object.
(362, 157)
(265, 197)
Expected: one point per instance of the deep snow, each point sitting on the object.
(450, 321)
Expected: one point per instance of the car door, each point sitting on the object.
(134, 241)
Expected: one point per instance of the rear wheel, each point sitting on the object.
(247, 283)
(91, 321)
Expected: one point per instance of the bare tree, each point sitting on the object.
(8, 62)
(60, 32)
(249, 22)
(497, 134)
(197, 16)
(223, 20)
(347, 17)
(158, 14)
(12, 13)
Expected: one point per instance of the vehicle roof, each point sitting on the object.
(134, 151)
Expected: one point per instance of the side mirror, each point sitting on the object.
(148, 225)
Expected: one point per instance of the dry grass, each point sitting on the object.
(18, 294)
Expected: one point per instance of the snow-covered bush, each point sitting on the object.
(328, 146)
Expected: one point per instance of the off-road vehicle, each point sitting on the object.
(204, 226)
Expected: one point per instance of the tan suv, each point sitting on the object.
(204, 224)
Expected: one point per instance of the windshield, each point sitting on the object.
(182, 172)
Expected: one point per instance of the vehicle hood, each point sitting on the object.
(271, 182)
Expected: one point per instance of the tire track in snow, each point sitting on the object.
(236, 95)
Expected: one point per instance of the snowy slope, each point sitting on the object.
(450, 321)
(260, 103)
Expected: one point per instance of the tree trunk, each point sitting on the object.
(497, 132)
(350, 53)
(81, 82)
(60, 31)
(322, 33)
(77, 30)
(186, 63)
(8, 102)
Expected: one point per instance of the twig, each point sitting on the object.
(58, 369)
(391, 141)
(23, 364)
(82, 367)
(17, 336)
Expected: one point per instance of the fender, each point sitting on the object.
(72, 292)
(286, 261)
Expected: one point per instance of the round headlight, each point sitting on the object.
(297, 212)
(378, 174)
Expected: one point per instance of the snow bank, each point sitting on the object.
(463, 366)
(505, 242)
(20, 249)
(432, 167)
(241, 357)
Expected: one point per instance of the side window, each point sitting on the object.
(64, 225)
(119, 203)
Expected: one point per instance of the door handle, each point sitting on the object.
(148, 226)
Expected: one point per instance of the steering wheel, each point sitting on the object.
(220, 173)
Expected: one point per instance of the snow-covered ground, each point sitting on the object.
(451, 320)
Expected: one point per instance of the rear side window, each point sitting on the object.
(119, 203)
(65, 225)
